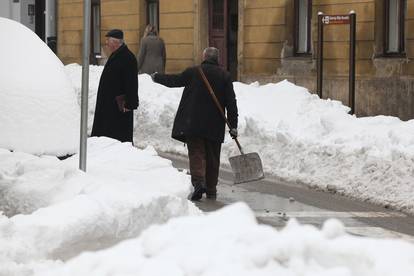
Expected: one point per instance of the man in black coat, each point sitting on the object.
(118, 91)
(198, 121)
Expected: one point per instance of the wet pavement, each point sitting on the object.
(275, 202)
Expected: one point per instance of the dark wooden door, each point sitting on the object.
(218, 28)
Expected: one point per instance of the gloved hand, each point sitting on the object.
(153, 75)
(233, 133)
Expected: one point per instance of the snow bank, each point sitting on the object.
(39, 113)
(230, 242)
(96, 223)
(60, 211)
(303, 138)
(299, 137)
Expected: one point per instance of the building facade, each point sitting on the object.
(268, 41)
(37, 15)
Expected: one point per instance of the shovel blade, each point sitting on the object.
(246, 167)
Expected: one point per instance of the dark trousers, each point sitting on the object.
(204, 158)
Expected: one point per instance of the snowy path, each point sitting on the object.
(275, 202)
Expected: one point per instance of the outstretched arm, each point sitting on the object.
(172, 80)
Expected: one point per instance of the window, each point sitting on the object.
(394, 27)
(152, 13)
(96, 28)
(303, 14)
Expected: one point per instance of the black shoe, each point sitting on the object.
(198, 193)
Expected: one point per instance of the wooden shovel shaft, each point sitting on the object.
(210, 90)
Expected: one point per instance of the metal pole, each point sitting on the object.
(352, 41)
(85, 83)
(319, 60)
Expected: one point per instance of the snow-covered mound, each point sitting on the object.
(39, 109)
(230, 242)
(102, 223)
(55, 211)
(299, 137)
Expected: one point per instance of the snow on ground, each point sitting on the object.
(56, 211)
(58, 220)
(38, 106)
(299, 137)
(230, 242)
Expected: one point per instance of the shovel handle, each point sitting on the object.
(238, 145)
(210, 90)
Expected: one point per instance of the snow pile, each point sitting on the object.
(303, 138)
(67, 211)
(28, 182)
(230, 242)
(298, 136)
(39, 113)
(51, 213)
(97, 223)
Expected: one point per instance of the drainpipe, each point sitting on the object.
(85, 83)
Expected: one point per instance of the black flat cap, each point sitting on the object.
(115, 33)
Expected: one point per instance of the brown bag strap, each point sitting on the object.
(210, 90)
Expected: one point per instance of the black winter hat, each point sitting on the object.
(115, 33)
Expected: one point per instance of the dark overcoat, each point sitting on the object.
(197, 114)
(151, 56)
(119, 77)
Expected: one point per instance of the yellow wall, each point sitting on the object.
(336, 37)
(266, 38)
(384, 85)
(124, 15)
(127, 15)
(408, 68)
(264, 35)
(176, 28)
(70, 26)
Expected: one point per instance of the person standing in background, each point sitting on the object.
(117, 92)
(151, 56)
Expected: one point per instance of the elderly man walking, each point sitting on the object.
(198, 121)
(118, 91)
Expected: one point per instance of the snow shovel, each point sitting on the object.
(246, 167)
